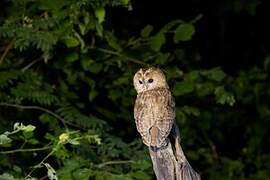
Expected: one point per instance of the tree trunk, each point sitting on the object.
(170, 163)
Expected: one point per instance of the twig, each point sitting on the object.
(24, 150)
(77, 35)
(41, 162)
(197, 18)
(65, 122)
(9, 46)
(114, 162)
(44, 177)
(37, 108)
(211, 144)
(31, 64)
(24, 143)
(121, 55)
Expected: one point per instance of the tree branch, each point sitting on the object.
(107, 51)
(9, 46)
(114, 162)
(38, 108)
(39, 164)
(25, 150)
(31, 64)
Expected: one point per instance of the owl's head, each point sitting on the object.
(148, 79)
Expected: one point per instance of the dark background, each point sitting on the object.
(65, 70)
(228, 35)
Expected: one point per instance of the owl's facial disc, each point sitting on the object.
(147, 83)
(148, 79)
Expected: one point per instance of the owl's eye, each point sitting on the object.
(150, 80)
(140, 81)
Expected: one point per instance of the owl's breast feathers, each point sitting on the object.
(154, 114)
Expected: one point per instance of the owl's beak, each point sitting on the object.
(145, 85)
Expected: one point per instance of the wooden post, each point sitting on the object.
(170, 163)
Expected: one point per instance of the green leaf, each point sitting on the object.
(182, 88)
(191, 110)
(86, 63)
(100, 14)
(252, 8)
(71, 41)
(95, 68)
(215, 74)
(74, 142)
(173, 72)
(82, 174)
(266, 63)
(99, 29)
(162, 58)
(224, 97)
(71, 57)
(33, 141)
(112, 41)
(28, 128)
(192, 76)
(157, 41)
(125, 2)
(4, 139)
(181, 117)
(28, 134)
(51, 172)
(21, 127)
(82, 28)
(146, 31)
(184, 32)
(7, 176)
(140, 175)
(204, 89)
(141, 165)
(92, 94)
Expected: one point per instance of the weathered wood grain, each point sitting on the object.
(170, 163)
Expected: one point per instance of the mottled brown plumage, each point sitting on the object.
(154, 111)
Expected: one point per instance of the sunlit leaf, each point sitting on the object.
(51, 172)
(100, 14)
(4, 139)
(28, 128)
(125, 2)
(7, 176)
(74, 142)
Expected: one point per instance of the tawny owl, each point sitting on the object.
(154, 109)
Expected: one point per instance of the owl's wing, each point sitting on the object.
(140, 114)
(164, 122)
(154, 116)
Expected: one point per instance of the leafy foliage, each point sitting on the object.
(66, 77)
